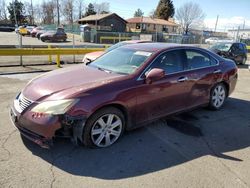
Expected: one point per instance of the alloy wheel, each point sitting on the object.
(106, 130)
(219, 95)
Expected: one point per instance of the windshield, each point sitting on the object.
(222, 46)
(119, 44)
(121, 60)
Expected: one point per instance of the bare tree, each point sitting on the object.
(48, 12)
(152, 13)
(3, 11)
(28, 11)
(80, 7)
(68, 10)
(38, 13)
(101, 8)
(189, 16)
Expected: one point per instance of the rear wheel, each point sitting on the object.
(217, 96)
(243, 62)
(104, 128)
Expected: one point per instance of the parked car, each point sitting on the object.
(211, 40)
(6, 28)
(236, 51)
(22, 30)
(29, 28)
(89, 57)
(39, 33)
(52, 36)
(35, 31)
(123, 89)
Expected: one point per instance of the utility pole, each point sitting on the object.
(244, 25)
(216, 23)
(32, 13)
(58, 13)
(237, 36)
(14, 8)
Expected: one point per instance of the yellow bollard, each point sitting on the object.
(58, 61)
(50, 56)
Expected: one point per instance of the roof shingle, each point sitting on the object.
(148, 20)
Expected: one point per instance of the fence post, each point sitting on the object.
(119, 37)
(58, 61)
(74, 57)
(50, 57)
(20, 46)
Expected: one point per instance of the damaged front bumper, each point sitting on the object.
(42, 130)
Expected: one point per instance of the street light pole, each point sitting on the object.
(58, 14)
(32, 13)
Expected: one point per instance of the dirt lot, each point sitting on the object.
(197, 149)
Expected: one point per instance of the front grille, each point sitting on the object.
(23, 102)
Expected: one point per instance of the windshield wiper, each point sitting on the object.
(105, 70)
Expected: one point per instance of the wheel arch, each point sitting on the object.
(119, 106)
(226, 85)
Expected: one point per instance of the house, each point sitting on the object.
(148, 24)
(239, 33)
(105, 22)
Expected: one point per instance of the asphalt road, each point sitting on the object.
(201, 148)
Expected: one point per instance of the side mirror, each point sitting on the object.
(154, 75)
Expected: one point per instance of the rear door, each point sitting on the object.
(203, 72)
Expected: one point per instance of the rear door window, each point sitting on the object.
(198, 59)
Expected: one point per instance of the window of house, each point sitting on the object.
(138, 26)
(165, 29)
(154, 26)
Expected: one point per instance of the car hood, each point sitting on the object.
(66, 82)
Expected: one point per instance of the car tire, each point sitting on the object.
(243, 62)
(104, 128)
(42, 40)
(218, 96)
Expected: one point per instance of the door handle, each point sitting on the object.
(217, 71)
(182, 79)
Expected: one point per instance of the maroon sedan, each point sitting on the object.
(123, 89)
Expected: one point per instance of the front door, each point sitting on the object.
(167, 95)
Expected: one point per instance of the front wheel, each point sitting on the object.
(104, 128)
(217, 96)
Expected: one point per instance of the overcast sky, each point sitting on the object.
(232, 13)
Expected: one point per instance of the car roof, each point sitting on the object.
(154, 47)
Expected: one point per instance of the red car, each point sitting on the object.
(35, 31)
(123, 89)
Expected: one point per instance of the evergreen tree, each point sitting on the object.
(165, 9)
(90, 10)
(16, 7)
(138, 13)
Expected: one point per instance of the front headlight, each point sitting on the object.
(54, 107)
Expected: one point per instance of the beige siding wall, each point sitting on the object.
(150, 28)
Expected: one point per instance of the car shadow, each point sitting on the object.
(163, 144)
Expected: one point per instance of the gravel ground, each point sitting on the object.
(197, 149)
